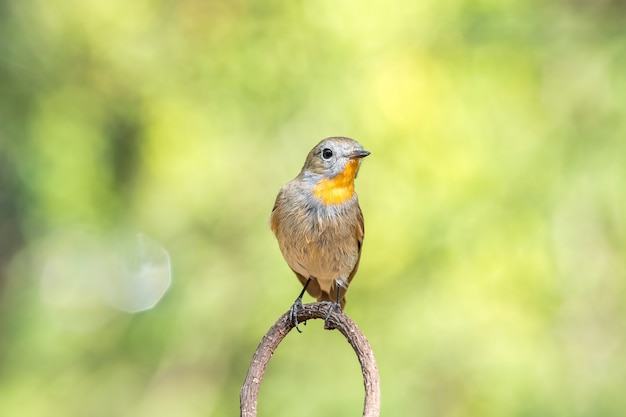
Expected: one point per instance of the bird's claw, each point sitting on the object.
(332, 308)
(293, 314)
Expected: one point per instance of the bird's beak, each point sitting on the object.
(358, 154)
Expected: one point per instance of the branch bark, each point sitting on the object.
(337, 320)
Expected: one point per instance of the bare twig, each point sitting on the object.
(337, 320)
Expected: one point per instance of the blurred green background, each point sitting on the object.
(492, 281)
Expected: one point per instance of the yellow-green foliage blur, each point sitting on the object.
(149, 137)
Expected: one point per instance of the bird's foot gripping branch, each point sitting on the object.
(335, 319)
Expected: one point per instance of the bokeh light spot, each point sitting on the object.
(142, 275)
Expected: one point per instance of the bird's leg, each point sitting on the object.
(333, 307)
(297, 305)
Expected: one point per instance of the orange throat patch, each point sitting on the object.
(339, 189)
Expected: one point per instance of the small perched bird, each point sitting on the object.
(318, 222)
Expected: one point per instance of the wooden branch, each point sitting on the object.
(337, 320)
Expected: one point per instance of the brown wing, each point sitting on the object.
(313, 288)
(274, 216)
(360, 234)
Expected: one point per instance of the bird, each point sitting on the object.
(319, 224)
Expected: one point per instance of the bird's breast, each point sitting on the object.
(321, 241)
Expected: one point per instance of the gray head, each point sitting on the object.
(332, 156)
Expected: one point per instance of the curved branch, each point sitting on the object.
(337, 320)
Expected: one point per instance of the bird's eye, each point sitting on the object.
(327, 154)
